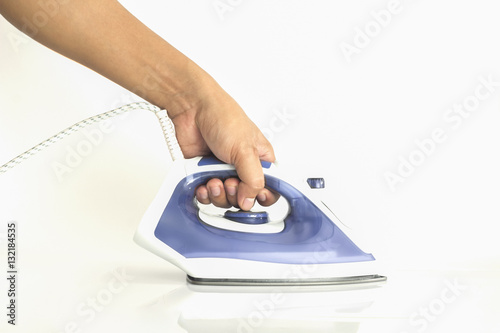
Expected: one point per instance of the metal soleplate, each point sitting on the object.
(288, 282)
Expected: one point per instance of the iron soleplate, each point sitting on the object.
(288, 282)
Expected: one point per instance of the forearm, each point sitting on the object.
(104, 36)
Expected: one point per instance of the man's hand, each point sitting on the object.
(104, 36)
(220, 126)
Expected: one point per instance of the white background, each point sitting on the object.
(351, 121)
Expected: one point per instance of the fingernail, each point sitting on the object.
(215, 191)
(261, 197)
(231, 190)
(203, 195)
(247, 204)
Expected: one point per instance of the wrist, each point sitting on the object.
(179, 86)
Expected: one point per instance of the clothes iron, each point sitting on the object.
(303, 247)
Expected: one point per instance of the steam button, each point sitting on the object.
(316, 182)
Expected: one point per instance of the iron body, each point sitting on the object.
(302, 246)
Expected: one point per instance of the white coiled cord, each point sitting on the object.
(169, 132)
(165, 122)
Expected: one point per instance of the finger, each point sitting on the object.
(267, 197)
(266, 151)
(231, 187)
(252, 182)
(216, 193)
(202, 195)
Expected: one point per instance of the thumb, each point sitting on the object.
(250, 172)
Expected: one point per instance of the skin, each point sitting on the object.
(103, 36)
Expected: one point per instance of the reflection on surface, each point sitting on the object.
(268, 309)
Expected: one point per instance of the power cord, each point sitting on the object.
(165, 123)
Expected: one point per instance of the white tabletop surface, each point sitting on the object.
(353, 117)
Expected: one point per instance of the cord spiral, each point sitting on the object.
(165, 123)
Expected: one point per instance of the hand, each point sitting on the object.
(220, 126)
(104, 36)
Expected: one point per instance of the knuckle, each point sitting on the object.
(256, 183)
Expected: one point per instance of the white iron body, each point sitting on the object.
(243, 271)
